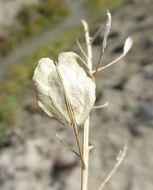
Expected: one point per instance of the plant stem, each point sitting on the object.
(85, 145)
(99, 61)
(84, 184)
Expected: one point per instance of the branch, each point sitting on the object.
(96, 34)
(119, 158)
(127, 46)
(108, 25)
(66, 145)
(88, 42)
(81, 49)
(101, 106)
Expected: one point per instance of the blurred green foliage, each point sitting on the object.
(5, 135)
(124, 78)
(21, 74)
(31, 20)
(99, 92)
(98, 8)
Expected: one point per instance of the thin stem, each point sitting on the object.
(110, 64)
(101, 106)
(66, 145)
(127, 46)
(119, 161)
(85, 145)
(85, 155)
(108, 25)
(72, 116)
(99, 61)
(79, 146)
(88, 42)
(81, 49)
(97, 33)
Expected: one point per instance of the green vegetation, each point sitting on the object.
(20, 76)
(124, 78)
(99, 93)
(5, 139)
(97, 8)
(32, 20)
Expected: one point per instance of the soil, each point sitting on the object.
(36, 160)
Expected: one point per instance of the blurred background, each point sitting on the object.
(30, 155)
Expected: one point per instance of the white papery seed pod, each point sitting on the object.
(79, 84)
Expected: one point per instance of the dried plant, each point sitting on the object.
(66, 92)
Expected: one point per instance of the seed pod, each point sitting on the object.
(78, 81)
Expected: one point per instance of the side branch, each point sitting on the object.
(101, 106)
(66, 145)
(88, 42)
(127, 46)
(120, 158)
(81, 49)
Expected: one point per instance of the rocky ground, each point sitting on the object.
(36, 160)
